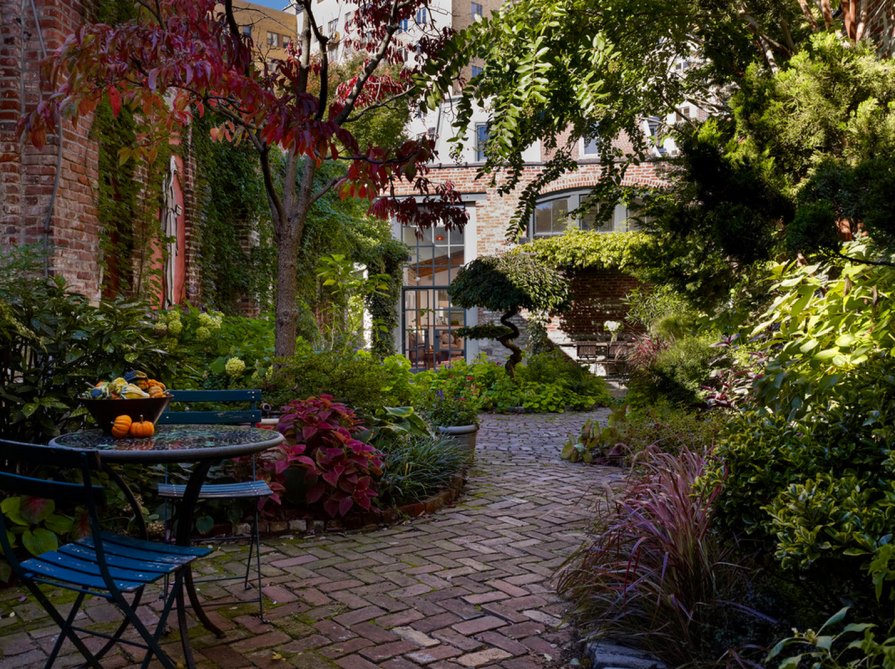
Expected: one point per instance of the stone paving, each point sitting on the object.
(469, 586)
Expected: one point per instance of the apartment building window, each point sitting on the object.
(331, 27)
(247, 31)
(349, 17)
(477, 9)
(273, 39)
(404, 24)
(422, 16)
(475, 70)
(590, 146)
(287, 41)
(481, 138)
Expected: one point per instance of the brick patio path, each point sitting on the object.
(469, 586)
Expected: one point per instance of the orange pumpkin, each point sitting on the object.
(121, 426)
(156, 391)
(141, 429)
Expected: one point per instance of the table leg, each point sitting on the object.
(183, 538)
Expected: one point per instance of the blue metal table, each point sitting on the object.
(200, 445)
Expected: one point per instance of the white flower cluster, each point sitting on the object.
(234, 367)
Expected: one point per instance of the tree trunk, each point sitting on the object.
(288, 233)
(516, 356)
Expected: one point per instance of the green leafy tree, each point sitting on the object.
(508, 284)
(557, 71)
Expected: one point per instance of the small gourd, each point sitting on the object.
(156, 391)
(142, 429)
(121, 426)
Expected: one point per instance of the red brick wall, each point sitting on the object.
(597, 296)
(71, 230)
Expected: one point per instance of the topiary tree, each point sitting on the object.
(508, 283)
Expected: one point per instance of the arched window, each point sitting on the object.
(556, 213)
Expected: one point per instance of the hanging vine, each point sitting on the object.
(236, 257)
(129, 195)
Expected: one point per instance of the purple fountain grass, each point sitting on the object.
(654, 572)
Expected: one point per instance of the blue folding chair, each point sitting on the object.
(253, 489)
(101, 564)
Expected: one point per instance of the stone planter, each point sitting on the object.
(462, 435)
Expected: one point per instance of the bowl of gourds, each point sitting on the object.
(127, 406)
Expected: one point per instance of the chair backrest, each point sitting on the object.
(52, 462)
(244, 416)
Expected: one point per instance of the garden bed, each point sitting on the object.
(306, 525)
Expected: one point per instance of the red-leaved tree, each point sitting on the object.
(180, 58)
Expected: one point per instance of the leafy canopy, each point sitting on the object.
(509, 283)
(559, 70)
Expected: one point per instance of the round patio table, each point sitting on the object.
(199, 445)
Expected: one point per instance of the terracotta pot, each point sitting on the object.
(462, 435)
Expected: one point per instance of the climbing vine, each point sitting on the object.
(129, 195)
(386, 258)
(585, 249)
(236, 254)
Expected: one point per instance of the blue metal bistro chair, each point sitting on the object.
(254, 489)
(101, 564)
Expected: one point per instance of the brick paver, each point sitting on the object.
(470, 586)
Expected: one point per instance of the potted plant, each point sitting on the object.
(453, 411)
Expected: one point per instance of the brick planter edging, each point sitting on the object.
(363, 521)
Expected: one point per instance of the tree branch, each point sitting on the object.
(379, 105)
(272, 196)
(232, 25)
(864, 261)
(327, 187)
(370, 67)
(322, 40)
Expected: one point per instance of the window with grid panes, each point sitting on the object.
(429, 320)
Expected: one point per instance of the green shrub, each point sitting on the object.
(206, 341)
(647, 306)
(836, 645)
(417, 467)
(553, 367)
(677, 373)
(818, 490)
(828, 516)
(55, 344)
(352, 377)
(632, 430)
(549, 383)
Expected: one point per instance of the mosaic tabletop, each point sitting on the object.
(174, 443)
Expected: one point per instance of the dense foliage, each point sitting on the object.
(587, 249)
(55, 344)
(338, 469)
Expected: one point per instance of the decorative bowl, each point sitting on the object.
(105, 412)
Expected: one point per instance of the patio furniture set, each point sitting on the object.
(118, 567)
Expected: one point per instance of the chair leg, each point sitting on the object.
(64, 624)
(151, 640)
(68, 625)
(138, 595)
(184, 627)
(257, 540)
